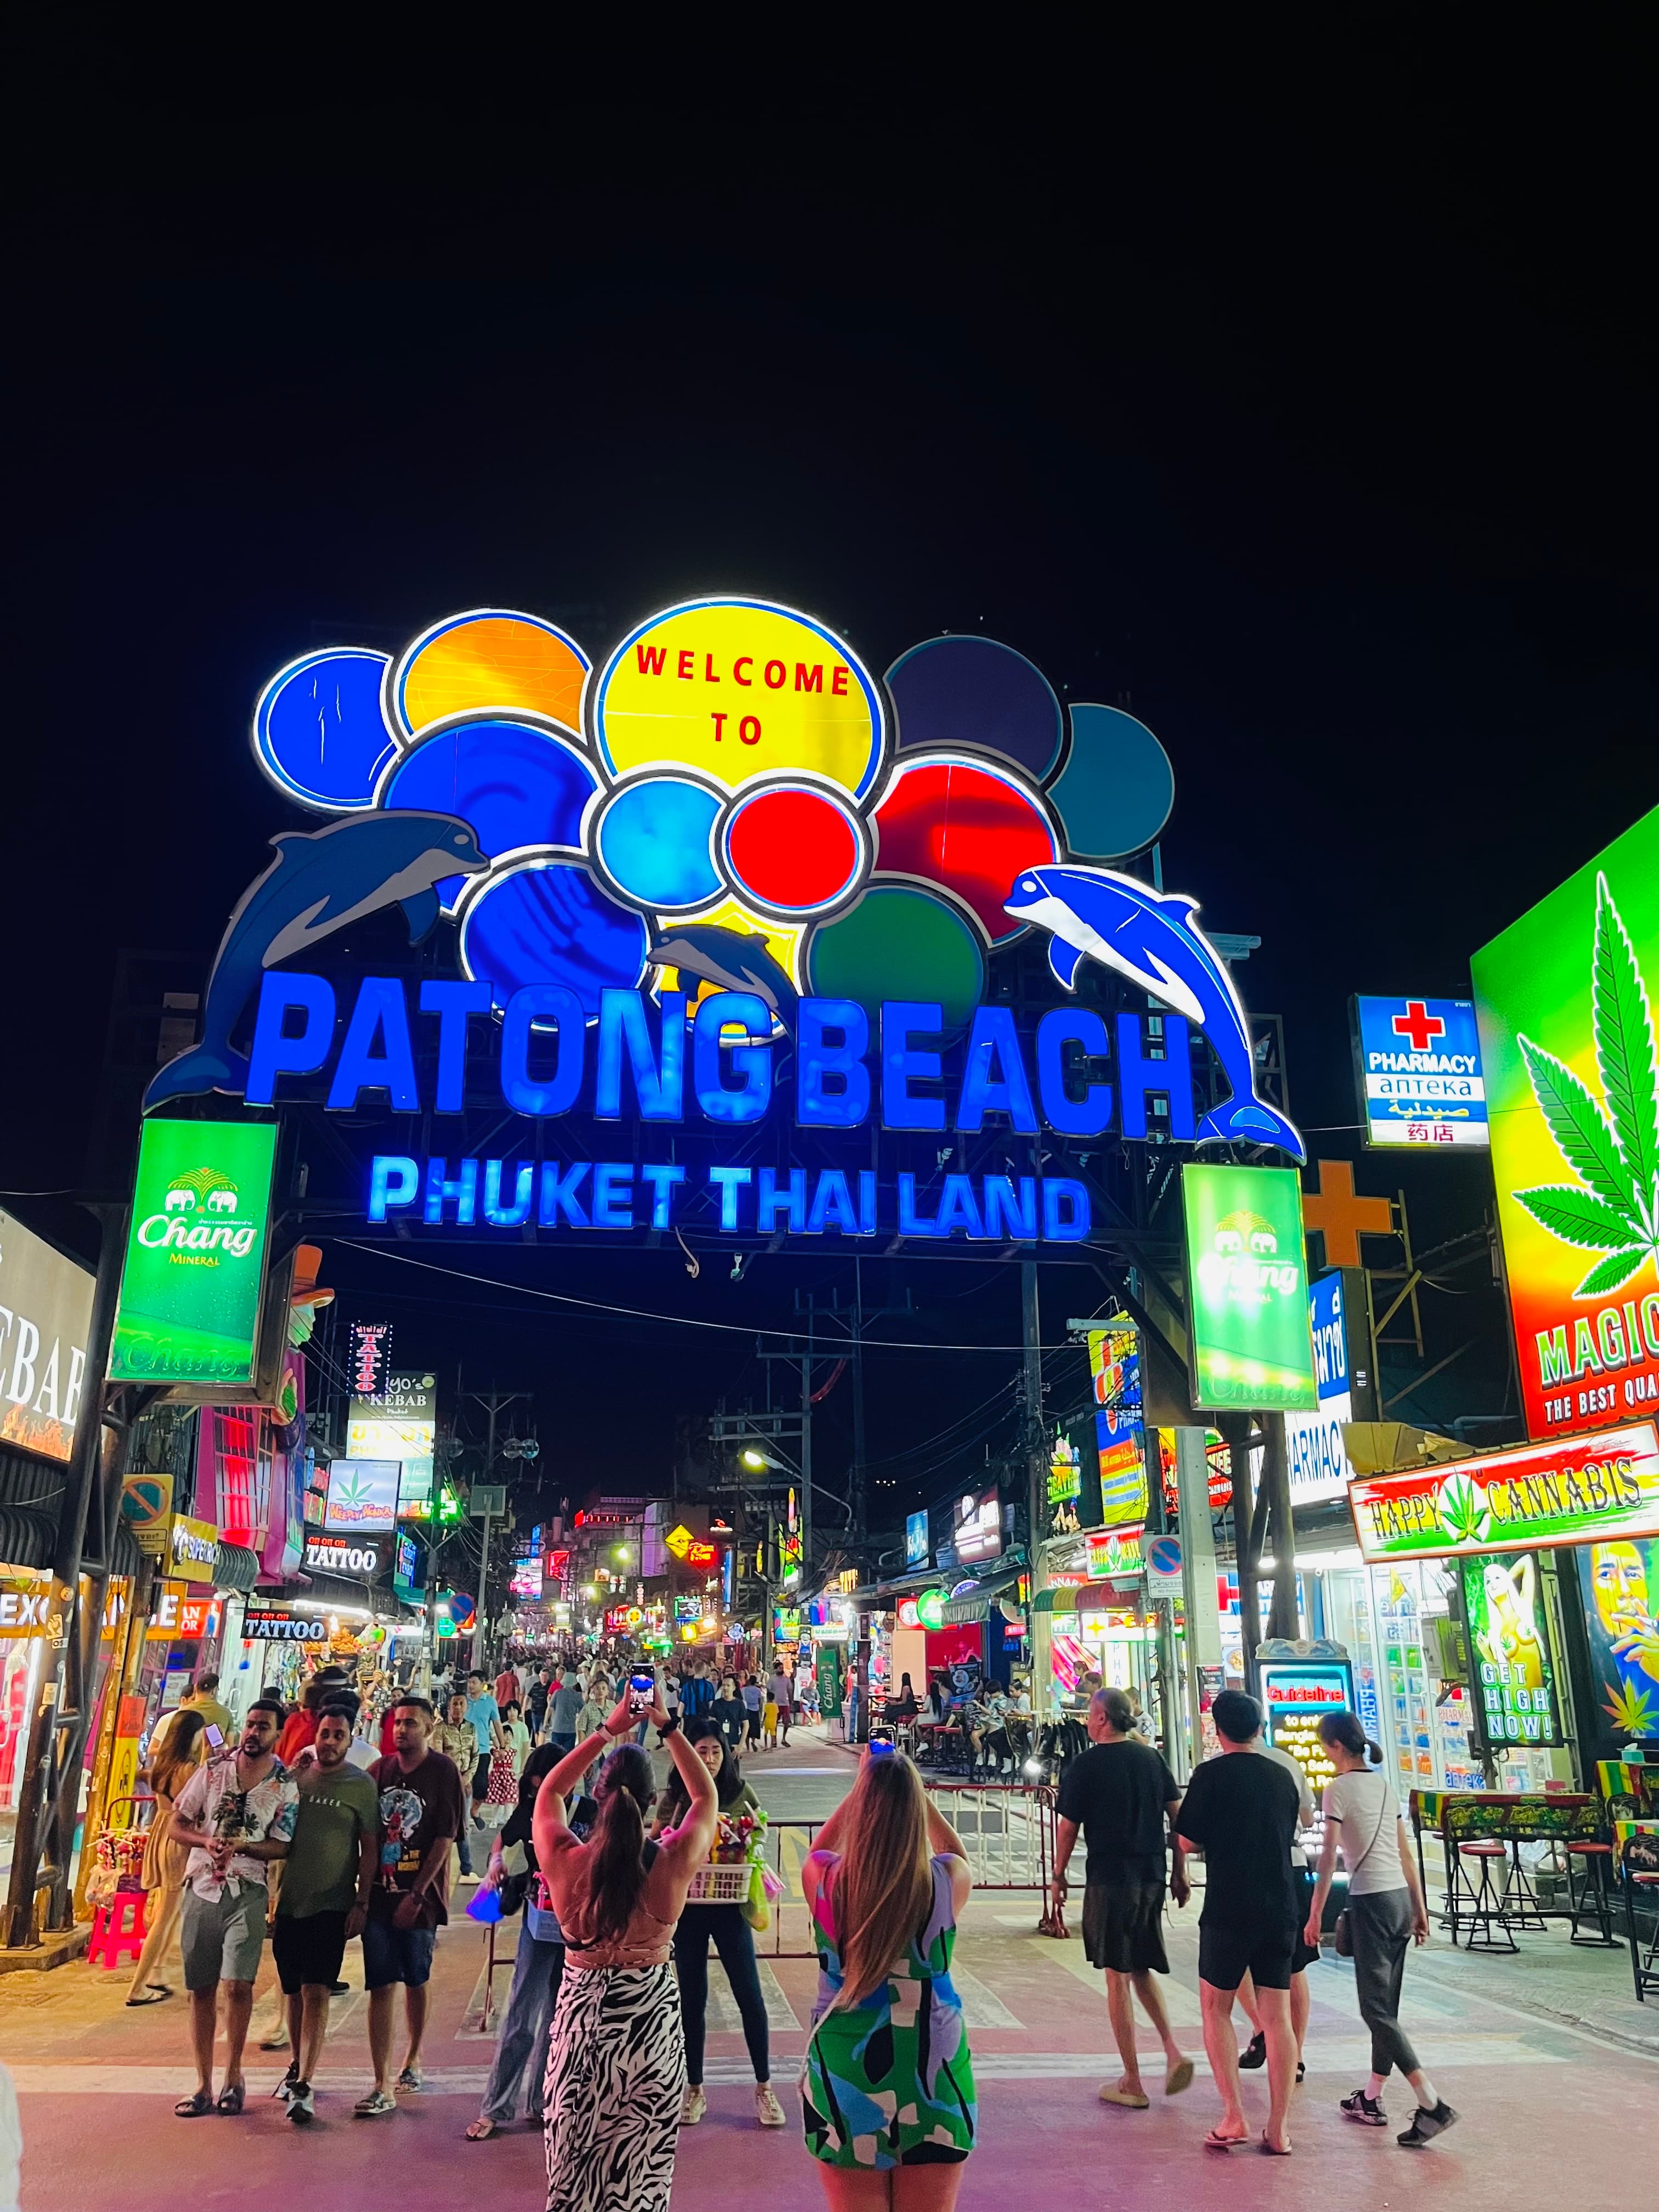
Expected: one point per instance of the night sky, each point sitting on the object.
(1301, 405)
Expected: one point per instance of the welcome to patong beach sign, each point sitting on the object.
(725, 873)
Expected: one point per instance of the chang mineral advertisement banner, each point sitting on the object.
(1248, 1296)
(195, 1267)
(1563, 999)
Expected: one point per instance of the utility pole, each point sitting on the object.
(493, 1401)
(806, 1582)
(860, 1515)
(1036, 1487)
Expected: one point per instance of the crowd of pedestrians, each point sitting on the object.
(602, 2041)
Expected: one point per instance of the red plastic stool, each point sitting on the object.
(118, 1929)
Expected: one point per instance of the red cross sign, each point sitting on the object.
(1418, 1024)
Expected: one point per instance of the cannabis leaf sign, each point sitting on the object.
(1613, 1207)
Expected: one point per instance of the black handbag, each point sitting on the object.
(1341, 1933)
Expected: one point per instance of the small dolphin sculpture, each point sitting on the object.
(736, 962)
(320, 880)
(1151, 937)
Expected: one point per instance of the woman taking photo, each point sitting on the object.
(725, 1926)
(1386, 1909)
(173, 1758)
(615, 2067)
(887, 2084)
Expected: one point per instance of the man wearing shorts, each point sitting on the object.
(1241, 1812)
(421, 1811)
(326, 1883)
(1121, 1796)
(237, 1815)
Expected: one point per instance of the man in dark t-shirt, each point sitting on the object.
(1242, 1813)
(1121, 1796)
(422, 1812)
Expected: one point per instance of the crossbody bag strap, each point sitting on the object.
(1382, 1815)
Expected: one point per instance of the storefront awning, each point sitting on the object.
(976, 1606)
(1091, 1597)
(28, 1535)
(235, 1568)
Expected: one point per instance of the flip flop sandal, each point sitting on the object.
(1213, 2142)
(193, 2108)
(1134, 2099)
(152, 1993)
(1178, 2078)
(480, 2131)
(1273, 2150)
(232, 2098)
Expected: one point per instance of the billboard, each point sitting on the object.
(1120, 1432)
(1515, 1699)
(1620, 1583)
(1420, 1079)
(916, 1540)
(368, 1358)
(978, 1527)
(46, 1310)
(1250, 1344)
(1597, 1489)
(362, 1495)
(401, 1424)
(1566, 1030)
(195, 1267)
(1319, 1466)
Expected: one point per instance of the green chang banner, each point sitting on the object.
(196, 1255)
(1251, 1343)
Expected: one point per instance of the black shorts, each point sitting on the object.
(481, 1777)
(1123, 1927)
(1226, 1956)
(308, 1950)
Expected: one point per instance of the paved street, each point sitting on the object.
(1548, 2057)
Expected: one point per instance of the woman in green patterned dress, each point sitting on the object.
(887, 2083)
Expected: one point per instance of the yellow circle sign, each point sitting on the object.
(738, 689)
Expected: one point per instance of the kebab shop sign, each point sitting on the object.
(1584, 1490)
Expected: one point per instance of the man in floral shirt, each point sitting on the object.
(237, 1815)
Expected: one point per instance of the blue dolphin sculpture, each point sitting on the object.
(1151, 937)
(320, 880)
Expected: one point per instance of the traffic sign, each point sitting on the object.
(1163, 1557)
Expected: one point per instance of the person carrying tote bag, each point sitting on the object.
(1385, 1910)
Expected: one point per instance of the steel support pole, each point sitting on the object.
(1284, 1616)
(1198, 1580)
(43, 1777)
(1036, 1489)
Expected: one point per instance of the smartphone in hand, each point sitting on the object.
(642, 1691)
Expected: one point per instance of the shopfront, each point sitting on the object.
(1512, 1597)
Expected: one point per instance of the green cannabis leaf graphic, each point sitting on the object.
(1614, 1152)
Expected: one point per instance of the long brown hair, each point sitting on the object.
(174, 1760)
(614, 1862)
(882, 1890)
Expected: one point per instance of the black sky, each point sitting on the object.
(1301, 398)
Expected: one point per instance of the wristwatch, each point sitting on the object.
(668, 1728)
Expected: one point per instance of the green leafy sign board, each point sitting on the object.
(1247, 1282)
(195, 1266)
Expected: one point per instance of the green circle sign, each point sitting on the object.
(930, 1609)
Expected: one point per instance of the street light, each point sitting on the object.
(756, 1461)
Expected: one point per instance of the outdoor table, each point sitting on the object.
(1512, 1817)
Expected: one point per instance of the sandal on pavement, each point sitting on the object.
(152, 1993)
(412, 2078)
(375, 2104)
(1178, 2078)
(480, 2130)
(1137, 2100)
(1273, 2149)
(1214, 2140)
(1253, 2054)
(194, 2108)
(232, 2098)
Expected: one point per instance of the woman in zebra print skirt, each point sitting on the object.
(616, 2063)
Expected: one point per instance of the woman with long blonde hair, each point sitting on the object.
(176, 1752)
(887, 2083)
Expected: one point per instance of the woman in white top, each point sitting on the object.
(1386, 1909)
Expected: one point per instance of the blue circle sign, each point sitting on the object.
(1163, 1555)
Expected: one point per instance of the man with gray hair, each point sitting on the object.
(1125, 1799)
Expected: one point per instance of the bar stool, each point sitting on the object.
(1521, 1905)
(1487, 1905)
(1643, 1964)
(1588, 1865)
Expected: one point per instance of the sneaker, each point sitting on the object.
(412, 2078)
(1253, 2054)
(693, 2105)
(375, 2104)
(1367, 2111)
(768, 2111)
(300, 2109)
(1425, 2126)
(284, 2088)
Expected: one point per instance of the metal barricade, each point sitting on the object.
(787, 1843)
(1007, 1830)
